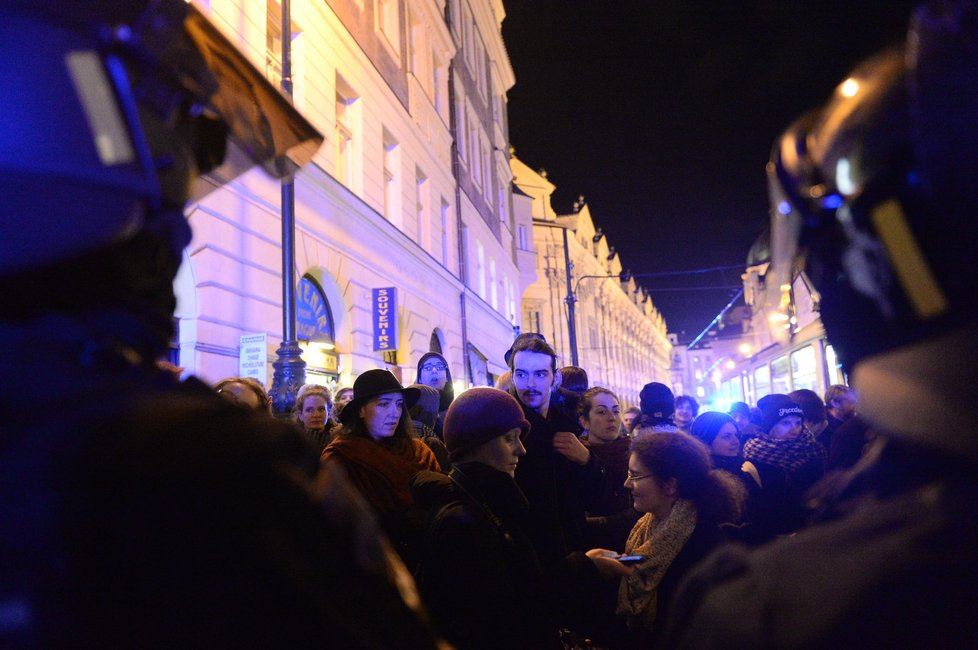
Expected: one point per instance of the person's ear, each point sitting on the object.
(557, 378)
(670, 487)
(583, 421)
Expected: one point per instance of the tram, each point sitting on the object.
(808, 360)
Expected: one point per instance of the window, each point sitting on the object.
(389, 23)
(803, 368)
(486, 167)
(390, 177)
(502, 205)
(462, 131)
(421, 60)
(346, 128)
(273, 51)
(444, 233)
(522, 238)
(273, 42)
(493, 285)
(480, 269)
(780, 379)
(420, 203)
(475, 163)
(836, 375)
(762, 382)
(440, 81)
(511, 300)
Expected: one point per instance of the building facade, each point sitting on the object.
(620, 336)
(404, 238)
(775, 344)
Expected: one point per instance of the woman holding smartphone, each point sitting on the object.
(684, 501)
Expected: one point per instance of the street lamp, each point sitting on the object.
(571, 299)
(289, 370)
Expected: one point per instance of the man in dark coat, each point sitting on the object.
(559, 475)
(888, 240)
(156, 514)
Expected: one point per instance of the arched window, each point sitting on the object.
(316, 332)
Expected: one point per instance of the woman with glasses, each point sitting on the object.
(685, 501)
(433, 371)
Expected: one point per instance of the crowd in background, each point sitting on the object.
(516, 503)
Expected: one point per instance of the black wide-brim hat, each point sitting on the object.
(371, 384)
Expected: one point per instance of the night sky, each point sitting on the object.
(662, 114)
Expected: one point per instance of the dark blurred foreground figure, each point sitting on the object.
(159, 515)
(877, 193)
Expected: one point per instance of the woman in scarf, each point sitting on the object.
(377, 449)
(611, 517)
(684, 501)
(785, 456)
(719, 432)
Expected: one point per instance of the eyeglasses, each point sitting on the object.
(631, 477)
(434, 367)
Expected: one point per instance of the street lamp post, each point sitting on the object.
(570, 300)
(289, 370)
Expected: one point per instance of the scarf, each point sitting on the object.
(381, 476)
(660, 542)
(732, 464)
(788, 455)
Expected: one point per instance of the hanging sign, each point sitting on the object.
(384, 308)
(311, 319)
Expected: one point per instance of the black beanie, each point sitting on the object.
(657, 401)
(774, 407)
(478, 415)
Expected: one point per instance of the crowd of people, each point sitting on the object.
(149, 512)
(514, 504)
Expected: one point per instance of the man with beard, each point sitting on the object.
(558, 475)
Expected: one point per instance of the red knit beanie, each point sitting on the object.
(478, 415)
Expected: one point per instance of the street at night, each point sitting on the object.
(488, 324)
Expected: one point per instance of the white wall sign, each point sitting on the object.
(253, 356)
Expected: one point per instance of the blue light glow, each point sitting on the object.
(784, 208)
(832, 202)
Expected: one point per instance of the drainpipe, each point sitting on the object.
(459, 226)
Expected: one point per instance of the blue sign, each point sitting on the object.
(311, 318)
(384, 308)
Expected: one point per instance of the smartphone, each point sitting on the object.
(630, 559)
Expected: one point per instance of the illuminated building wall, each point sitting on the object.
(378, 206)
(621, 336)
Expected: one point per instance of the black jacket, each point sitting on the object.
(559, 490)
(479, 573)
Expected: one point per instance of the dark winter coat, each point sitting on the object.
(610, 517)
(479, 573)
(559, 490)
